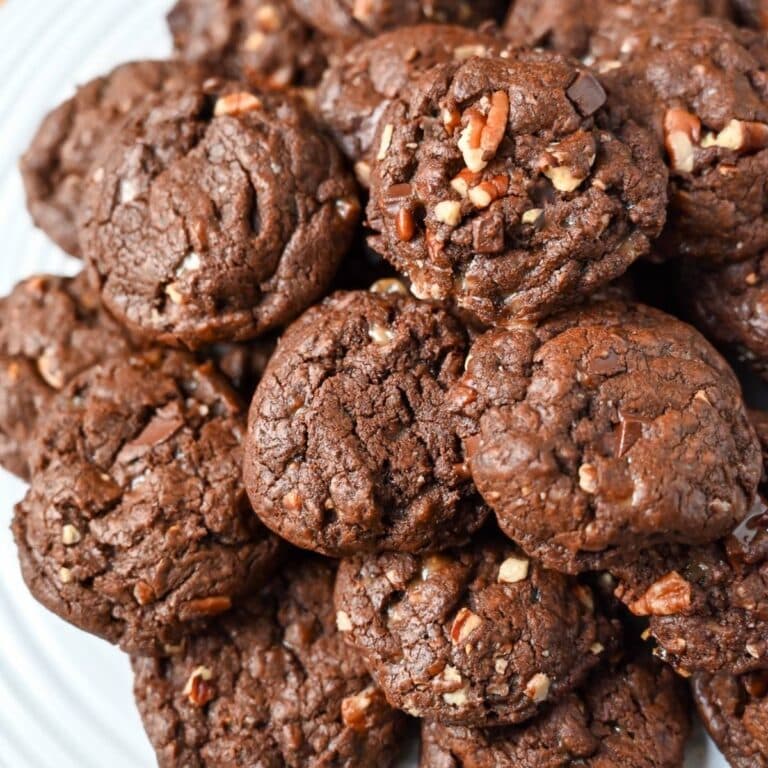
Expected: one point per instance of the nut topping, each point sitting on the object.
(538, 687)
(236, 104)
(513, 570)
(666, 597)
(197, 689)
(464, 625)
(681, 131)
(343, 622)
(70, 535)
(740, 136)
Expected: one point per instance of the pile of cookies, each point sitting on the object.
(372, 280)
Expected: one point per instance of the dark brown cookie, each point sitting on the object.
(474, 636)
(355, 19)
(634, 717)
(136, 527)
(494, 187)
(708, 606)
(606, 430)
(70, 137)
(729, 304)
(270, 685)
(735, 712)
(261, 42)
(216, 216)
(601, 30)
(350, 448)
(357, 89)
(703, 89)
(51, 329)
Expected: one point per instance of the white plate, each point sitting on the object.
(65, 697)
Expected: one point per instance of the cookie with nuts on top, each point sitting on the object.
(216, 214)
(703, 89)
(51, 329)
(136, 526)
(56, 163)
(350, 448)
(601, 31)
(355, 19)
(729, 305)
(606, 430)
(735, 712)
(634, 715)
(495, 188)
(270, 685)
(260, 42)
(356, 89)
(474, 636)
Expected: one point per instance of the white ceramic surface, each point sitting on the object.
(65, 697)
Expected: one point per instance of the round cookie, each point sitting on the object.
(475, 636)
(634, 716)
(355, 19)
(606, 430)
(357, 88)
(601, 30)
(263, 43)
(69, 139)
(269, 685)
(136, 526)
(216, 215)
(350, 448)
(494, 187)
(735, 712)
(703, 90)
(729, 305)
(51, 329)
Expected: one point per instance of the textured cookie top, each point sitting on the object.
(263, 43)
(270, 685)
(216, 214)
(51, 329)
(136, 526)
(354, 19)
(494, 186)
(70, 137)
(480, 635)
(350, 448)
(605, 430)
(735, 712)
(634, 716)
(703, 89)
(601, 30)
(356, 89)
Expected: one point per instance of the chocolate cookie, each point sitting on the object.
(735, 712)
(601, 30)
(355, 19)
(263, 43)
(70, 137)
(703, 89)
(480, 635)
(708, 606)
(269, 685)
(216, 216)
(136, 526)
(357, 89)
(495, 188)
(729, 304)
(606, 430)
(635, 717)
(350, 448)
(51, 329)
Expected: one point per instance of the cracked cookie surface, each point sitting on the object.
(55, 165)
(216, 214)
(480, 635)
(606, 430)
(270, 685)
(51, 329)
(634, 716)
(350, 448)
(136, 526)
(496, 189)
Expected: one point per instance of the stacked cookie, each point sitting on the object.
(316, 473)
